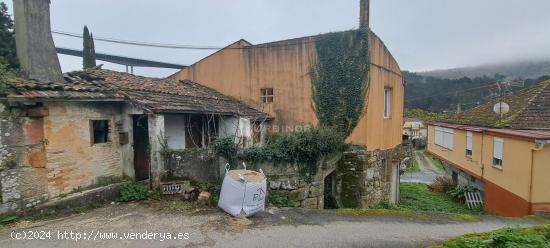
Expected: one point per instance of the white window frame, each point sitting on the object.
(387, 102)
(444, 137)
(498, 152)
(469, 144)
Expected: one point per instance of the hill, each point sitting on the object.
(445, 95)
(511, 70)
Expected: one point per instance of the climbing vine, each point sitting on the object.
(305, 148)
(339, 78)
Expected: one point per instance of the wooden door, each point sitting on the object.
(142, 158)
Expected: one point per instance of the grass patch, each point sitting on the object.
(414, 166)
(508, 237)
(365, 212)
(416, 215)
(435, 161)
(417, 197)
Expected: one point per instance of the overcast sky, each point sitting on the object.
(421, 34)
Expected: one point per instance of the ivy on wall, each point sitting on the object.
(339, 78)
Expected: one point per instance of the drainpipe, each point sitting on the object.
(481, 158)
(539, 145)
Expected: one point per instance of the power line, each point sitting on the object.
(174, 46)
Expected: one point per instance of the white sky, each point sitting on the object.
(421, 34)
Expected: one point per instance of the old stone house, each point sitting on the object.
(282, 79)
(95, 124)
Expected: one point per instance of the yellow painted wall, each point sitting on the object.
(285, 66)
(541, 176)
(515, 174)
(458, 154)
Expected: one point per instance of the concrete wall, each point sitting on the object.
(175, 131)
(285, 67)
(237, 128)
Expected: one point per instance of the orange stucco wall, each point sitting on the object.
(285, 67)
(513, 180)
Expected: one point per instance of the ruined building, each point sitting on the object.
(292, 80)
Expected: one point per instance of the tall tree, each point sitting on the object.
(8, 55)
(88, 49)
(92, 49)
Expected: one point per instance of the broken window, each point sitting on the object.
(100, 131)
(266, 95)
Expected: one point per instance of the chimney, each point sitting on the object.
(364, 14)
(35, 48)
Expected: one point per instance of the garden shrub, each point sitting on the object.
(442, 184)
(133, 192)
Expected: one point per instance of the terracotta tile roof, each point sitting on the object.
(154, 94)
(529, 109)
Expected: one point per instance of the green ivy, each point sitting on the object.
(305, 148)
(339, 78)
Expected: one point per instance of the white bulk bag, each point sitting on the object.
(243, 191)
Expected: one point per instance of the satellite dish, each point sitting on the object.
(501, 108)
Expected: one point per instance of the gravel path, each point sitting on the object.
(275, 228)
(428, 172)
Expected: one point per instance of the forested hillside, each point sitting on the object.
(511, 70)
(438, 95)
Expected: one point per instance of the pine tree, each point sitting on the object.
(88, 49)
(8, 55)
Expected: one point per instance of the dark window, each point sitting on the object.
(469, 152)
(455, 177)
(497, 162)
(266, 95)
(100, 131)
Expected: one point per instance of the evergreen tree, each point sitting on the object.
(92, 50)
(8, 55)
(88, 49)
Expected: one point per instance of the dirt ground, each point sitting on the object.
(150, 223)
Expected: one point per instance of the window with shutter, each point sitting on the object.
(498, 149)
(444, 137)
(469, 144)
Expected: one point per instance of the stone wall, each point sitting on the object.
(285, 179)
(73, 160)
(356, 179)
(46, 150)
(23, 179)
(364, 178)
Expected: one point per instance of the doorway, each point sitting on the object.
(330, 192)
(142, 160)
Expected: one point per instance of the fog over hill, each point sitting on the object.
(511, 70)
(465, 88)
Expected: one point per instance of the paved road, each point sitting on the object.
(276, 228)
(428, 172)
